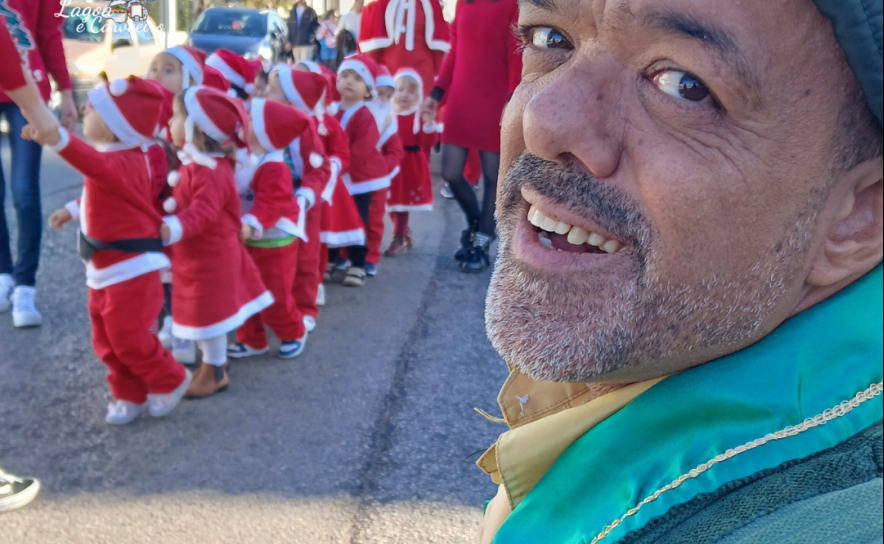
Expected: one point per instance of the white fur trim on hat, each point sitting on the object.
(316, 160)
(118, 87)
(196, 113)
(288, 88)
(361, 69)
(173, 178)
(170, 205)
(234, 77)
(189, 65)
(104, 104)
(258, 125)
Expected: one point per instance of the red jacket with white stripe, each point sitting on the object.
(117, 204)
(309, 165)
(337, 149)
(368, 170)
(268, 204)
(392, 149)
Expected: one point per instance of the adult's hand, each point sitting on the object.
(430, 107)
(69, 115)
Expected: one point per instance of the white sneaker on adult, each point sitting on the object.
(6, 285)
(16, 492)
(161, 405)
(24, 313)
(165, 334)
(320, 295)
(309, 323)
(123, 412)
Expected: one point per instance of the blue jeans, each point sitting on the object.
(26, 198)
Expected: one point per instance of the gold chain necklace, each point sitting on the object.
(828, 415)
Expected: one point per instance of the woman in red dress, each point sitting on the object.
(477, 79)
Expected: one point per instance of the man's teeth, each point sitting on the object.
(576, 235)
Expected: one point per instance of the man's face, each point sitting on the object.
(681, 149)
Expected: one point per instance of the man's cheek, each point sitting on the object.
(512, 139)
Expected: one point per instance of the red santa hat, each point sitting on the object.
(332, 96)
(238, 71)
(220, 117)
(306, 90)
(385, 78)
(192, 61)
(411, 74)
(130, 108)
(365, 67)
(166, 112)
(277, 125)
(215, 79)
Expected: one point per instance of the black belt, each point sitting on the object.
(413, 148)
(89, 245)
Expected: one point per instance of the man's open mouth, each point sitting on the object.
(561, 236)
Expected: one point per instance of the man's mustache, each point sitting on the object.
(575, 188)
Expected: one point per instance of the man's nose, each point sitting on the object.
(579, 114)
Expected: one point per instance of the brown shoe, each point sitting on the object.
(210, 379)
(355, 277)
(329, 273)
(397, 247)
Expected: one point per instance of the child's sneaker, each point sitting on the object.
(309, 323)
(342, 264)
(184, 351)
(371, 270)
(165, 334)
(161, 405)
(292, 348)
(16, 492)
(6, 286)
(122, 412)
(355, 277)
(445, 191)
(241, 351)
(320, 295)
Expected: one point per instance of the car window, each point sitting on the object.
(83, 28)
(121, 35)
(251, 24)
(145, 36)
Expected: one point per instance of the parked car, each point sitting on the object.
(253, 33)
(95, 55)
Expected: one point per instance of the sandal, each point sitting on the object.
(355, 277)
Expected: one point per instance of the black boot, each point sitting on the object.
(478, 259)
(466, 245)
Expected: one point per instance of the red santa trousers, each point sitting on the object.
(122, 315)
(277, 268)
(309, 277)
(375, 231)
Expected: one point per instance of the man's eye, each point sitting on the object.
(544, 37)
(681, 85)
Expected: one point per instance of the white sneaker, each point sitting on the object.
(184, 351)
(309, 323)
(24, 313)
(161, 405)
(122, 412)
(165, 334)
(6, 285)
(16, 492)
(320, 295)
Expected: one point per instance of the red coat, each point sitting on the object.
(217, 286)
(36, 30)
(391, 148)
(11, 75)
(341, 225)
(368, 170)
(113, 208)
(269, 205)
(419, 42)
(480, 73)
(309, 165)
(412, 188)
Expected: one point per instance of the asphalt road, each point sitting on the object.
(368, 437)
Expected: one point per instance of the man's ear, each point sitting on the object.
(855, 243)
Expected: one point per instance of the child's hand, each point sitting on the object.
(60, 218)
(42, 137)
(165, 232)
(246, 232)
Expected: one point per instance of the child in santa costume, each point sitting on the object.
(412, 188)
(273, 223)
(391, 148)
(238, 71)
(119, 242)
(306, 91)
(178, 68)
(368, 172)
(217, 286)
(405, 33)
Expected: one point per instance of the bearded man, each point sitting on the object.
(688, 291)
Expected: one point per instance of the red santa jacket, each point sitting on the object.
(388, 22)
(368, 170)
(337, 149)
(36, 33)
(391, 148)
(117, 204)
(268, 204)
(308, 165)
(11, 75)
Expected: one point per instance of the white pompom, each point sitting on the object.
(315, 160)
(333, 108)
(170, 205)
(173, 178)
(232, 93)
(250, 88)
(118, 87)
(322, 130)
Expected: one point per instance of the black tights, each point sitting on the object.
(454, 160)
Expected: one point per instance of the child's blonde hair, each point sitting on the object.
(408, 82)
